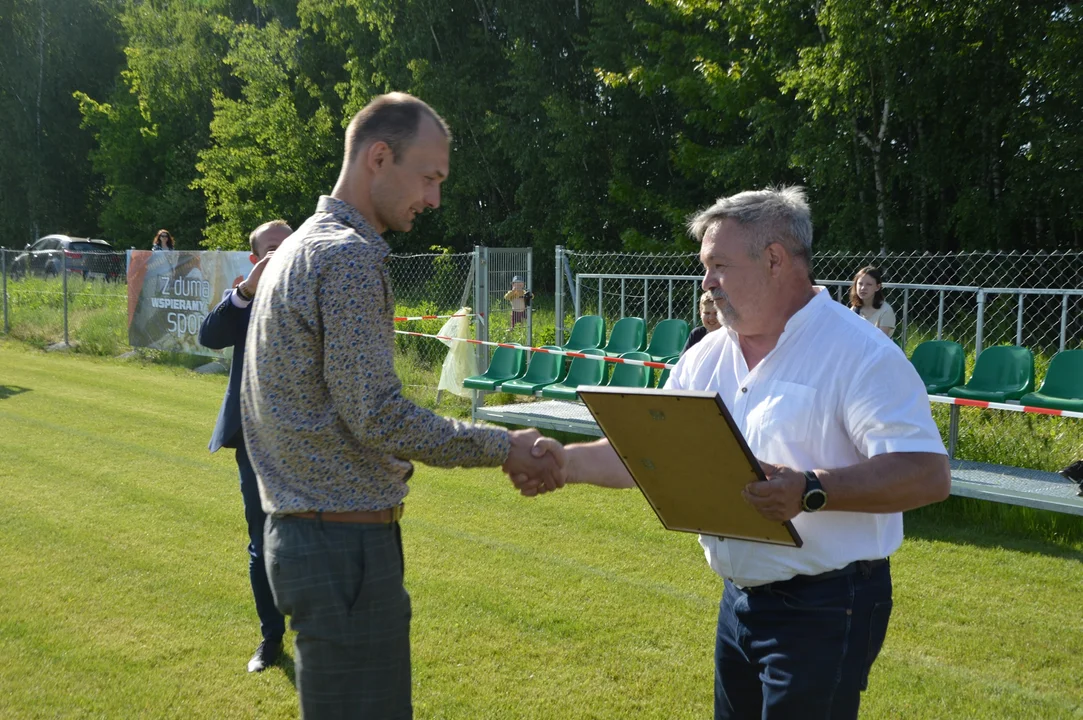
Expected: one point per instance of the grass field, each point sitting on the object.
(124, 590)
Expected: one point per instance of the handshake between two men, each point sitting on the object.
(537, 465)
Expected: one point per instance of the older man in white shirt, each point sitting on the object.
(840, 422)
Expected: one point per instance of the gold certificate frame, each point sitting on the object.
(688, 458)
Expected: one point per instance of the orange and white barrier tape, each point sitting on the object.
(566, 353)
(436, 317)
(946, 400)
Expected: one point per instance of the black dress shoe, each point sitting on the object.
(1074, 472)
(266, 655)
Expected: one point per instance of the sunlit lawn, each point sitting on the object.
(124, 590)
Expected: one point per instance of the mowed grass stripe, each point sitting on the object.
(124, 592)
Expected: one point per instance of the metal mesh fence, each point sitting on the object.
(506, 284)
(976, 299)
(429, 284)
(82, 301)
(76, 298)
(615, 285)
(982, 269)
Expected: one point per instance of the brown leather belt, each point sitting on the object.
(372, 517)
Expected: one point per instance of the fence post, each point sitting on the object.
(64, 270)
(530, 305)
(558, 301)
(621, 297)
(669, 312)
(645, 298)
(481, 307)
(980, 324)
(940, 318)
(1064, 321)
(1019, 323)
(4, 261)
(953, 430)
(601, 312)
(906, 316)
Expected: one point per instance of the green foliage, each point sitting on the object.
(47, 183)
(601, 124)
(275, 149)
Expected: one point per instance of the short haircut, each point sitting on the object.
(878, 298)
(705, 298)
(269, 224)
(394, 119)
(773, 215)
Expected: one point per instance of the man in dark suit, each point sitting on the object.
(227, 326)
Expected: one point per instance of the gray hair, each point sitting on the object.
(774, 215)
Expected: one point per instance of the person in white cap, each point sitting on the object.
(518, 297)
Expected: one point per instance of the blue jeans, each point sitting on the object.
(271, 623)
(342, 586)
(800, 648)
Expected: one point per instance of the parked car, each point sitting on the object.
(88, 257)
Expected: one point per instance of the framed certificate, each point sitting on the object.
(688, 458)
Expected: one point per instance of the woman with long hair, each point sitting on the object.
(867, 299)
(162, 241)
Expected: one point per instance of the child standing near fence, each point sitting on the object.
(518, 296)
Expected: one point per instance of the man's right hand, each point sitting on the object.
(252, 281)
(535, 463)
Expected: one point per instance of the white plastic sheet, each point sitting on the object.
(461, 361)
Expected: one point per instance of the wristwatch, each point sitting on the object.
(242, 291)
(815, 498)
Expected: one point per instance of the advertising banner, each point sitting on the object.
(169, 294)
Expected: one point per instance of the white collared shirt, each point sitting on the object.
(834, 392)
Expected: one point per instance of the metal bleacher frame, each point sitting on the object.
(996, 483)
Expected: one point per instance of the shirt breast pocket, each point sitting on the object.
(789, 414)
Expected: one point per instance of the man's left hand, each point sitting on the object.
(779, 498)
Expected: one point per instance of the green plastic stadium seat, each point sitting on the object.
(668, 339)
(1062, 388)
(587, 332)
(664, 374)
(629, 335)
(507, 364)
(1001, 373)
(631, 376)
(941, 364)
(583, 371)
(543, 369)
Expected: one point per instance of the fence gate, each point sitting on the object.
(504, 286)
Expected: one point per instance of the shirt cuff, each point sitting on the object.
(237, 300)
(498, 444)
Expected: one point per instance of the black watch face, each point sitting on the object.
(815, 499)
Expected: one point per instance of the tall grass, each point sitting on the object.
(97, 313)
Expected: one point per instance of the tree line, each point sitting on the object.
(917, 125)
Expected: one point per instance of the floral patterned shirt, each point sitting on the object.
(325, 422)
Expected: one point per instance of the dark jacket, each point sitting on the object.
(694, 337)
(227, 325)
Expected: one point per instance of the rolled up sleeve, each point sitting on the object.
(887, 409)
